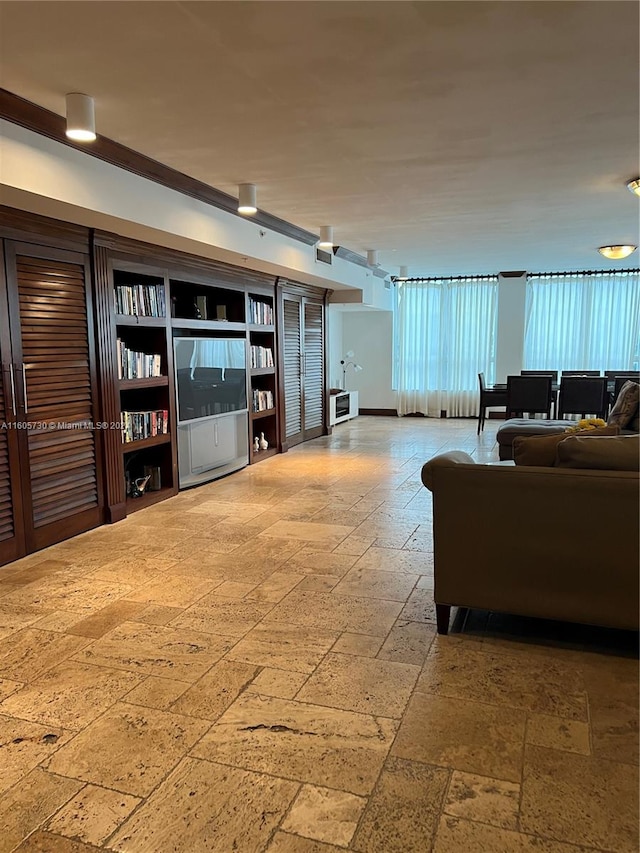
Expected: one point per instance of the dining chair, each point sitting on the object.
(580, 373)
(583, 395)
(552, 373)
(489, 397)
(619, 381)
(529, 393)
(630, 374)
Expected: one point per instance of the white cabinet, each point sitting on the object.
(343, 407)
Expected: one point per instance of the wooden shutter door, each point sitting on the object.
(12, 543)
(292, 361)
(313, 369)
(53, 343)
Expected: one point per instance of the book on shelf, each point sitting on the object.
(140, 300)
(260, 313)
(261, 356)
(136, 365)
(137, 426)
(262, 400)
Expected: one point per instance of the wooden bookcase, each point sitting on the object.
(143, 367)
(263, 385)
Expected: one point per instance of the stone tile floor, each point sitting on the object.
(253, 666)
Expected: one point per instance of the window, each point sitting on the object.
(585, 321)
(444, 335)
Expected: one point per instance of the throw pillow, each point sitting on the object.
(540, 450)
(626, 405)
(614, 453)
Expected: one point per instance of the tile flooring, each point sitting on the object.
(253, 666)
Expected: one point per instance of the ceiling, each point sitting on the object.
(454, 137)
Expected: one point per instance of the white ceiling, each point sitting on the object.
(454, 137)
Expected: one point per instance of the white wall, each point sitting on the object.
(43, 176)
(511, 320)
(370, 335)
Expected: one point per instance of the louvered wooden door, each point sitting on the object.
(313, 380)
(303, 363)
(53, 354)
(12, 543)
(292, 360)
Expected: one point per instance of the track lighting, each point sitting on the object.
(81, 120)
(247, 199)
(404, 272)
(372, 257)
(326, 237)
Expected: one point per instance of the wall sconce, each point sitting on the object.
(81, 118)
(357, 367)
(247, 199)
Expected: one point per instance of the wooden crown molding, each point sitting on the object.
(33, 117)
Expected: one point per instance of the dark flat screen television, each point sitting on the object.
(211, 377)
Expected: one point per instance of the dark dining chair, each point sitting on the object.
(583, 395)
(489, 397)
(630, 374)
(580, 373)
(620, 381)
(552, 373)
(530, 393)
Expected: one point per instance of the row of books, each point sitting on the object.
(260, 313)
(140, 300)
(261, 357)
(136, 365)
(139, 425)
(262, 400)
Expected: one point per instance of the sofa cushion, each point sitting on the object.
(626, 406)
(609, 453)
(541, 449)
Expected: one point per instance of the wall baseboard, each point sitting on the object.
(387, 413)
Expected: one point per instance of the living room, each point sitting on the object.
(253, 663)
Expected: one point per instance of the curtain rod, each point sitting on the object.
(582, 272)
(424, 279)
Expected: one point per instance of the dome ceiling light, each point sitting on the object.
(617, 253)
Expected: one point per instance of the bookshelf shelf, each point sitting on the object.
(142, 443)
(138, 384)
(266, 413)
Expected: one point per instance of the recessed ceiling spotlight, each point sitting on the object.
(372, 257)
(326, 237)
(617, 253)
(634, 185)
(81, 119)
(247, 199)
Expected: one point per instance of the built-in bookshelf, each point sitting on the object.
(145, 384)
(263, 417)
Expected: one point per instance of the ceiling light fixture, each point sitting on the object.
(81, 119)
(326, 237)
(404, 272)
(372, 257)
(247, 199)
(617, 253)
(634, 185)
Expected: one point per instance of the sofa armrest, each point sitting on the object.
(443, 460)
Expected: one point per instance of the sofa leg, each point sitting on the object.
(443, 612)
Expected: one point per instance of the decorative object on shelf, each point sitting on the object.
(264, 444)
(155, 480)
(139, 486)
(345, 364)
(256, 445)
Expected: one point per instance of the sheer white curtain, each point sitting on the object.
(445, 335)
(583, 321)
